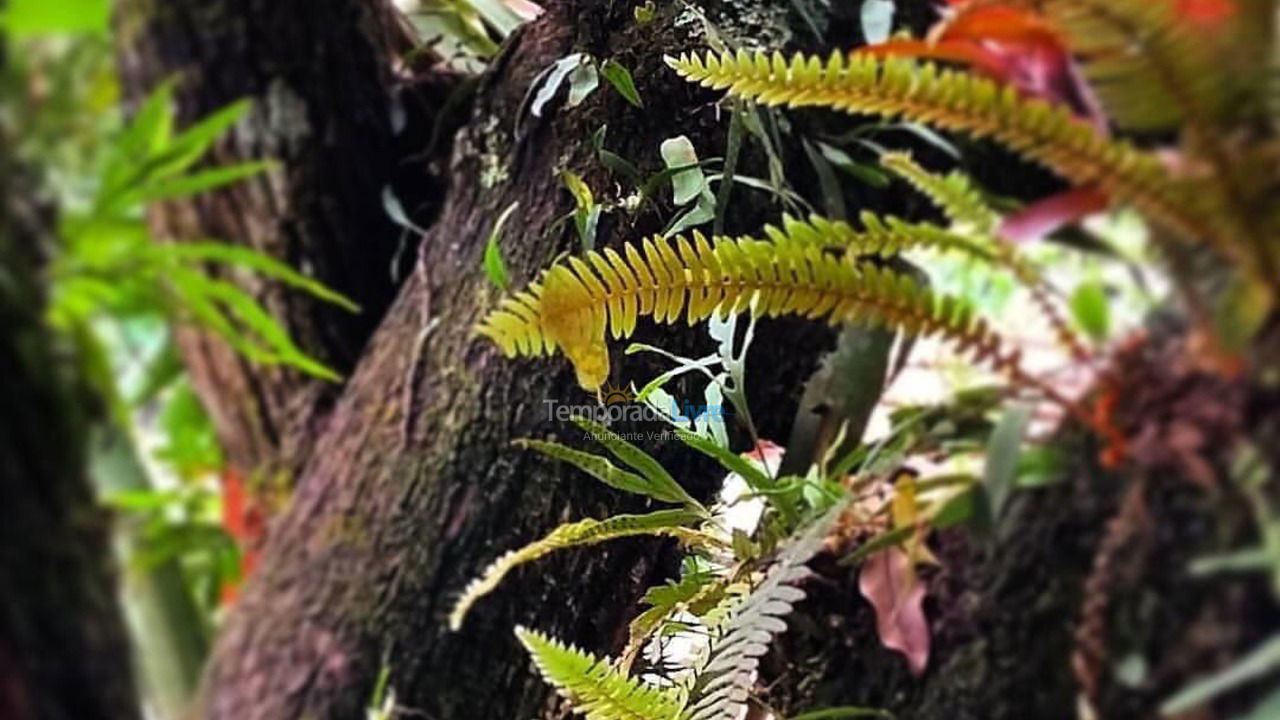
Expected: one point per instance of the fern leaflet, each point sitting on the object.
(953, 193)
(594, 687)
(576, 302)
(672, 523)
(724, 683)
(956, 100)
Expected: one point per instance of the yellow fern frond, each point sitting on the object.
(957, 100)
(879, 236)
(671, 523)
(576, 302)
(953, 193)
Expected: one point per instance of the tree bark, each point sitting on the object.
(345, 119)
(418, 479)
(64, 654)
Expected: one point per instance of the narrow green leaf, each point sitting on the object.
(199, 182)
(243, 257)
(594, 465)
(620, 78)
(661, 484)
(494, 267)
(892, 538)
(1003, 452)
(755, 478)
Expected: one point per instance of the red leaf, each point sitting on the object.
(1010, 45)
(888, 581)
(1048, 214)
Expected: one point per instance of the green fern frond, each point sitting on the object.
(673, 523)
(577, 301)
(594, 687)
(696, 593)
(953, 193)
(880, 236)
(724, 683)
(956, 100)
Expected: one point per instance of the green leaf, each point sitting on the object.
(688, 183)
(1003, 452)
(595, 688)
(891, 538)
(250, 259)
(870, 174)
(661, 484)
(191, 144)
(755, 478)
(199, 182)
(582, 82)
(702, 212)
(1261, 661)
(33, 17)
(620, 78)
(600, 468)
(671, 523)
(1091, 309)
(494, 267)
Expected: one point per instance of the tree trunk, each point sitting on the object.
(64, 654)
(346, 121)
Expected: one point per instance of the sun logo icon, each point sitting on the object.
(614, 395)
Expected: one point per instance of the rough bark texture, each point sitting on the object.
(64, 654)
(344, 119)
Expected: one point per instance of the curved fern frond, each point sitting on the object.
(956, 100)
(594, 688)
(880, 236)
(673, 523)
(724, 683)
(575, 302)
(953, 193)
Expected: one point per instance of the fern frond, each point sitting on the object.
(964, 206)
(956, 100)
(953, 193)
(594, 687)
(724, 684)
(880, 236)
(575, 302)
(1151, 68)
(673, 523)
